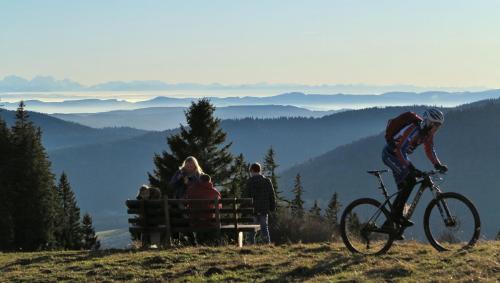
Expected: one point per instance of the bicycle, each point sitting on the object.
(451, 221)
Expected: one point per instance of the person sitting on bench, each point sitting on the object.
(204, 189)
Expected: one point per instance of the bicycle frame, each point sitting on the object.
(425, 183)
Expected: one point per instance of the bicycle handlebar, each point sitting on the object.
(431, 173)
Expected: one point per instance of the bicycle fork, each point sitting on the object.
(444, 211)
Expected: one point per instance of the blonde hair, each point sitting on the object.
(192, 159)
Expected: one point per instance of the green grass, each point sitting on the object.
(407, 262)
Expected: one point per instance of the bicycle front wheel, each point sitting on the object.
(451, 222)
(362, 227)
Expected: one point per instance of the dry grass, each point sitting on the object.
(407, 262)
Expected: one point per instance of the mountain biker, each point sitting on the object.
(395, 155)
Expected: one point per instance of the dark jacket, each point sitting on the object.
(178, 184)
(261, 190)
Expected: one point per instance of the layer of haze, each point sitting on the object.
(425, 43)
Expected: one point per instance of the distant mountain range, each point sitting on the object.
(297, 99)
(162, 118)
(468, 143)
(14, 83)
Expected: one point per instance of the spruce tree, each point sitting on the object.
(90, 241)
(70, 234)
(498, 236)
(332, 211)
(202, 138)
(315, 210)
(269, 169)
(6, 203)
(297, 204)
(34, 209)
(239, 178)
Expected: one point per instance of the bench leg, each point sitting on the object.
(219, 237)
(167, 241)
(240, 239)
(145, 240)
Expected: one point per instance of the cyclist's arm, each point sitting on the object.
(402, 145)
(430, 151)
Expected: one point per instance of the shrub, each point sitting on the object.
(286, 228)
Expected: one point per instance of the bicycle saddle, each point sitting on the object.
(377, 172)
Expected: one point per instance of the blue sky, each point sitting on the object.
(424, 43)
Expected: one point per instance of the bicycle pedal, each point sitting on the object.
(407, 223)
(404, 222)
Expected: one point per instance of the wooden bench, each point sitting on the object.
(169, 216)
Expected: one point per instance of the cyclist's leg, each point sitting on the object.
(399, 170)
(404, 181)
(405, 188)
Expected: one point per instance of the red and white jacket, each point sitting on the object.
(409, 138)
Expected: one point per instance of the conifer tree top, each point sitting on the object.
(202, 138)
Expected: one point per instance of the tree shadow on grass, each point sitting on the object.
(388, 273)
(66, 258)
(91, 255)
(27, 261)
(320, 249)
(333, 264)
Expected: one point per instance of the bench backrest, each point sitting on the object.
(191, 212)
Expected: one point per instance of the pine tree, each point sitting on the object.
(315, 210)
(6, 221)
(90, 241)
(239, 178)
(297, 204)
(332, 211)
(70, 234)
(34, 212)
(202, 138)
(498, 236)
(269, 169)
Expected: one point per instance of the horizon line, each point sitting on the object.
(263, 84)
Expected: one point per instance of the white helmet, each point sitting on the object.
(433, 116)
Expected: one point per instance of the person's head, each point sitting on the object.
(154, 193)
(191, 165)
(255, 168)
(433, 119)
(143, 192)
(205, 178)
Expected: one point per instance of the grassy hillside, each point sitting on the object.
(408, 262)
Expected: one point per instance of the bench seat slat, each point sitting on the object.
(159, 203)
(149, 221)
(243, 227)
(176, 221)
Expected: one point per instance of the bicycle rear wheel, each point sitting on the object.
(451, 222)
(361, 227)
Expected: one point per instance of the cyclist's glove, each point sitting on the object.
(441, 168)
